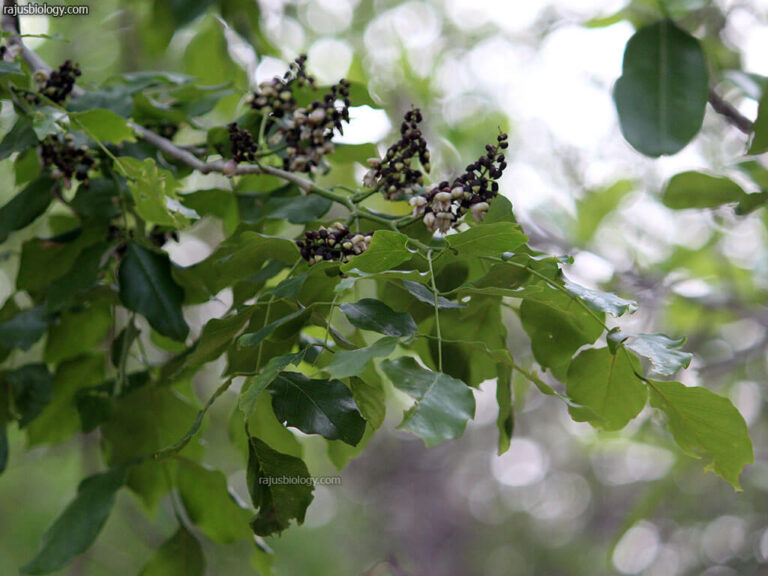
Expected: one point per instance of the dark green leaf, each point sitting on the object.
(387, 250)
(298, 209)
(25, 207)
(505, 422)
(280, 487)
(78, 526)
(147, 287)
(663, 352)
(324, 407)
(347, 363)
(210, 505)
(255, 338)
(24, 329)
(217, 335)
(706, 425)
(374, 315)
(443, 404)
(607, 385)
(21, 137)
(488, 239)
(369, 397)
(3, 447)
(83, 276)
(32, 388)
(698, 190)
(181, 555)
(424, 294)
(256, 385)
(662, 93)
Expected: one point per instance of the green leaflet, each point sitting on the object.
(374, 315)
(387, 250)
(706, 425)
(325, 407)
(662, 93)
(257, 384)
(347, 363)
(699, 190)
(209, 503)
(488, 239)
(181, 555)
(78, 526)
(26, 206)
(147, 287)
(278, 500)
(606, 384)
(443, 404)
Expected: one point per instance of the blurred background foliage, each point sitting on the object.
(564, 500)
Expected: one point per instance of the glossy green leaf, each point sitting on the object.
(181, 555)
(32, 388)
(103, 126)
(280, 487)
(255, 338)
(759, 143)
(699, 190)
(662, 93)
(606, 384)
(662, 351)
(26, 206)
(374, 315)
(24, 329)
(210, 505)
(78, 526)
(147, 287)
(257, 384)
(707, 426)
(324, 407)
(443, 404)
(387, 250)
(488, 239)
(424, 294)
(347, 363)
(601, 301)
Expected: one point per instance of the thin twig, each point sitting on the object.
(731, 114)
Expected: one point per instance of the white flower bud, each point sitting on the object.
(479, 210)
(429, 221)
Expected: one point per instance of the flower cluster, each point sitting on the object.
(395, 174)
(445, 204)
(243, 147)
(57, 85)
(334, 243)
(308, 134)
(65, 159)
(276, 96)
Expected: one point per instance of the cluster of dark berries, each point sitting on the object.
(445, 204)
(66, 160)
(308, 133)
(243, 147)
(57, 85)
(334, 243)
(395, 174)
(276, 96)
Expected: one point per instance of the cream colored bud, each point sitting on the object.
(479, 210)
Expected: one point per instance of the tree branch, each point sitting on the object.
(731, 114)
